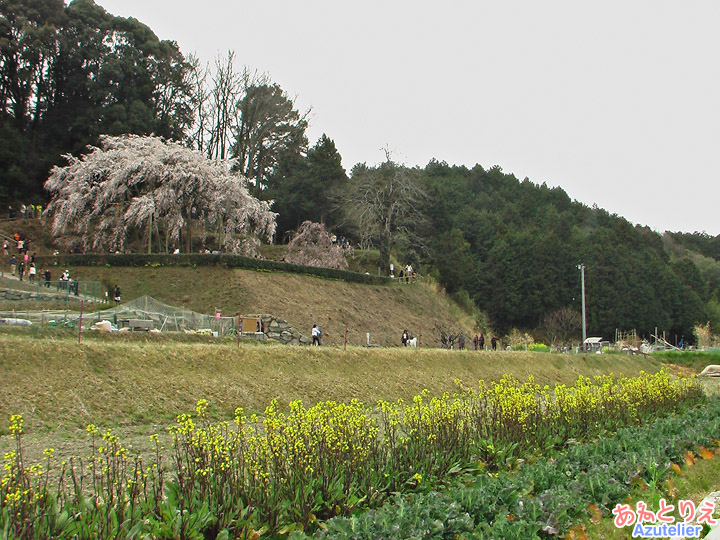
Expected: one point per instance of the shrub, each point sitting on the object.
(204, 259)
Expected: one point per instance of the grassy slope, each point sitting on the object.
(384, 311)
(56, 383)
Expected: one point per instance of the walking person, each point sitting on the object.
(32, 272)
(315, 335)
(481, 342)
(13, 263)
(21, 270)
(117, 296)
(404, 338)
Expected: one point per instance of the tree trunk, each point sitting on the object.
(150, 230)
(384, 245)
(188, 235)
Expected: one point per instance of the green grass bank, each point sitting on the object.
(114, 380)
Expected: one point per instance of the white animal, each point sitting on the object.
(412, 342)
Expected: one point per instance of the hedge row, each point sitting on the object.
(206, 259)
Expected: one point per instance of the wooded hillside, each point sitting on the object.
(71, 73)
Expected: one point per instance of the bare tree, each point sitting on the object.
(137, 183)
(201, 98)
(227, 87)
(560, 326)
(312, 246)
(382, 202)
(244, 115)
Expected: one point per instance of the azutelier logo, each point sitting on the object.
(661, 524)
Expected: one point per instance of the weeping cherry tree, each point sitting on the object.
(312, 245)
(143, 185)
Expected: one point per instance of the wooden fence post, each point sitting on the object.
(239, 328)
(82, 304)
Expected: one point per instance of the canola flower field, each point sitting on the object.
(297, 469)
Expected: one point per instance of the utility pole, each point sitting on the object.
(581, 267)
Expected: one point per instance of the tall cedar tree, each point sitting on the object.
(305, 188)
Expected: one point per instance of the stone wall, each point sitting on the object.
(278, 330)
(42, 295)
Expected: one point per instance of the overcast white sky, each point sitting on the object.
(616, 102)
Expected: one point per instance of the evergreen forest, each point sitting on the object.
(70, 73)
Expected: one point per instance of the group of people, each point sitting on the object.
(24, 267)
(22, 244)
(452, 342)
(406, 273)
(343, 242)
(479, 342)
(66, 283)
(23, 264)
(30, 211)
(457, 341)
(117, 298)
(30, 270)
(408, 339)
